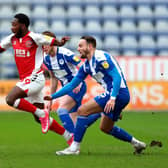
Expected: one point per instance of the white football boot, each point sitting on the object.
(68, 151)
(138, 146)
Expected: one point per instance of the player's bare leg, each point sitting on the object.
(107, 126)
(16, 99)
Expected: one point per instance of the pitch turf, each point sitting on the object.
(22, 145)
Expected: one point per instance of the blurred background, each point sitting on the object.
(134, 31)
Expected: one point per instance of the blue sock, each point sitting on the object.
(121, 134)
(92, 118)
(66, 119)
(81, 126)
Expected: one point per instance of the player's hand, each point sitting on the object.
(77, 89)
(47, 98)
(64, 40)
(48, 105)
(109, 106)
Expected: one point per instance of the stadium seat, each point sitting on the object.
(26, 9)
(127, 2)
(146, 42)
(57, 13)
(59, 2)
(6, 12)
(111, 43)
(145, 2)
(110, 28)
(75, 12)
(145, 27)
(109, 12)
(91, 2)
(40, 26)
(40, 12)
(161, 12)
(129, 43)
(5, 26)
(92, 12)
(130, 53)
(22, 2)
(147, 53)
(59, 27)
(75, 28)
(127, 12)
(162, 42)
(128, 27)
(144, 12)
(93, 28)
(160, 2)
(163, 53)
(114, 52)
(161, 27)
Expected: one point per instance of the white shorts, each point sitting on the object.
(33, 86)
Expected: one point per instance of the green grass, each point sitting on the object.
(22, 145)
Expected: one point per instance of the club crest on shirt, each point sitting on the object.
(105, 65)
(61, 61)
(28, 43)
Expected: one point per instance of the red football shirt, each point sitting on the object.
(28, 51)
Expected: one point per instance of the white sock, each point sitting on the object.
(67, 135)
(39, 113)
(75, 146)
(134, 141)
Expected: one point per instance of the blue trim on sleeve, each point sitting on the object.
(116, 81)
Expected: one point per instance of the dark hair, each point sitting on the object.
(22, 18)
(48, 33)
(90, 40)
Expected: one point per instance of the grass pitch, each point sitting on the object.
(22, 145)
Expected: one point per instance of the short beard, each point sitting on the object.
(86, 52)
(19, 34)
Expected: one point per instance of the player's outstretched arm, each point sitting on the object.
(65, 90)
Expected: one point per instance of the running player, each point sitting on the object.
(106, 71)
(62, 65)
(27, 94)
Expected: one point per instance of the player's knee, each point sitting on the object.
(9, 101)
(80, 111)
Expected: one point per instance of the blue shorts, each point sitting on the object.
(78, 97)
(122, 100)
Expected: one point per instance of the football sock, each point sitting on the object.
(81, 126)
(75, 146)
(56, 127)
(92, 118)
(121, 134)
(26, 106)
(134, 141)
(66, 119)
